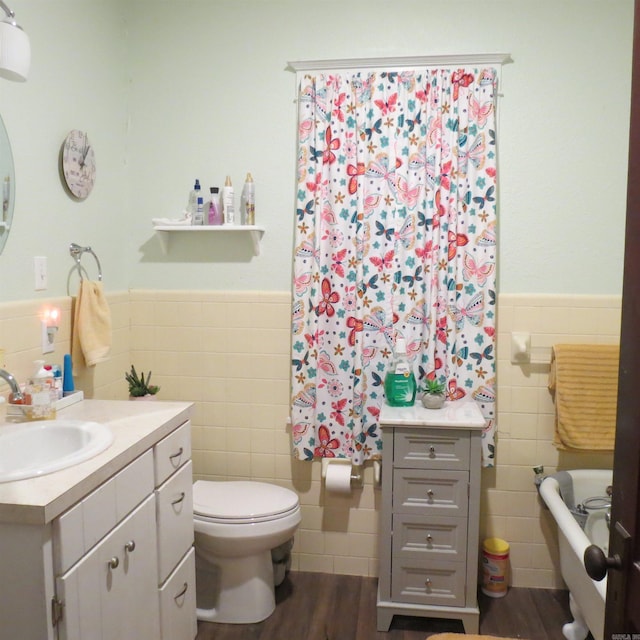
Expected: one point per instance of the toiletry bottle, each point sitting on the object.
(215, 210)
(227, 202)
(198, 219)
(57, 380)
(400, 382)
(249, 200)
(68, 386)
(6, 195)
(40, 388)
(193, 201)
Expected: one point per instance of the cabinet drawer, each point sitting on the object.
(430, 492)
(174, 509)
(438, 583)
(178, 601)
(431, 449)
(418, 538)
(81, 527)
(172, 452)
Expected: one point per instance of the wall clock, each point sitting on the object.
(78, 164)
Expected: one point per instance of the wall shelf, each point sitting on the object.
(164, 232)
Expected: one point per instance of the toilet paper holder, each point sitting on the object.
(356, 471)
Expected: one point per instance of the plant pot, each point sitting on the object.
(149, 396)
(433, 400)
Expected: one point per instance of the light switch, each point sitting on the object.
(40, 270)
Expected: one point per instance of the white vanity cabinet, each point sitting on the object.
(430, 510)
(118, 561)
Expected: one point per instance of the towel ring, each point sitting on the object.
(76, 252)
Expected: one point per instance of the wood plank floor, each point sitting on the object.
(319, 606)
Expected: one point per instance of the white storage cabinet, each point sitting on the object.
(429, 517)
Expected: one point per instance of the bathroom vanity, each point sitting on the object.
(104, 549)
(430, 511)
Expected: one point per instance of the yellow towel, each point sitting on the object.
(91, 339)
(584, 381)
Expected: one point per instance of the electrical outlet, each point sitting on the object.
(40, 271)
(47, 339)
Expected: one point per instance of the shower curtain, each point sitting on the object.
(395, 235)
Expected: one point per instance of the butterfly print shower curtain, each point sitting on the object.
(395, 235)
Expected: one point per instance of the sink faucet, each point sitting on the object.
(11, 381)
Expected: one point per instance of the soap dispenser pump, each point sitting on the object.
(400, 382)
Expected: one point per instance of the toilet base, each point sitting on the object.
(236, 590)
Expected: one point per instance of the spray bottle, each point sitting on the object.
(249, 200)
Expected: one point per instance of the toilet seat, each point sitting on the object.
(241, 502)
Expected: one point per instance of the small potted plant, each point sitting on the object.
(139, 386)
(433, 395)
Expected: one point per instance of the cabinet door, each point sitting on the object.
(111, 593)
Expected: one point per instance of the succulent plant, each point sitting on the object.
(138, 385)
(433, 387)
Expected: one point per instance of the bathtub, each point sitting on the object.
(586, 596)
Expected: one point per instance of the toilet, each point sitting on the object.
(237, 524)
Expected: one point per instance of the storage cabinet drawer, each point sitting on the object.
(434, 449)
(174, 509)
(429, 491)
(178, 601)
(416, 537)
(172, 452)
(438, 583)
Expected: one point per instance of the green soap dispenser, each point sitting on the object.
(400, 382)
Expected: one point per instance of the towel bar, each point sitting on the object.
(76, 252)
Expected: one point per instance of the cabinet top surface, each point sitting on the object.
(460, 414)
(136, 427)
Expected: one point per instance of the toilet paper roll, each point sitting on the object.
(338, 478)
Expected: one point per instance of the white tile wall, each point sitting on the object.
(229, 353)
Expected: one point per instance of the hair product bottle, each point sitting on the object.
(215, 211)
(249, 200)
(227, 202)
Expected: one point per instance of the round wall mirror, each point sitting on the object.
(7, 184)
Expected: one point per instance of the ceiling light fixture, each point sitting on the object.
(15, 50)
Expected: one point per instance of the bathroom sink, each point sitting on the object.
(32, 449)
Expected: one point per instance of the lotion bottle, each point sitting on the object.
(249, 201)
(227, 202)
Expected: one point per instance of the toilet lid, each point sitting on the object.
(239, 500)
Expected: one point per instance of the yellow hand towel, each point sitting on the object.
(584, 381)
(91, 340)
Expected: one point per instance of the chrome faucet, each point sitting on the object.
(15, 388)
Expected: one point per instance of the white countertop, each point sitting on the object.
(458, 414)
(136, 427)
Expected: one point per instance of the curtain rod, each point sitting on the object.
(396, 62)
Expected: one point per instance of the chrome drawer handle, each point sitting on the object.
(432, 451)
(176, 455)
(427, 584)
(178, 500)
(130, 546)
(182, 592)
(114, 563)
(429, 539)
(430, 495)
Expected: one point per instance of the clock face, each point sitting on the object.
(78, 164)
